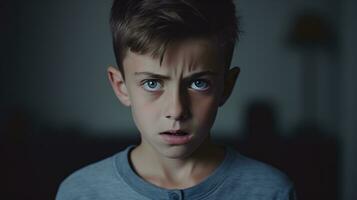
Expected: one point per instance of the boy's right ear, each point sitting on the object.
(118, 84)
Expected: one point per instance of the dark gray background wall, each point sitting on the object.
(61, 52)
(54, 57)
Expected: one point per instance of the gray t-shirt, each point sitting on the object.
(237, 177)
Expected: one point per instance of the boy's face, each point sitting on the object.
(182, 94)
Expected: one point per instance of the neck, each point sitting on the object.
(176, 173)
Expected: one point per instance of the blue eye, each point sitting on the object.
(200, 85)
(152, 85)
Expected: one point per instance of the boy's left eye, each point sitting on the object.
(200, 85)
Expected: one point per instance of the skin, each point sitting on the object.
(183, 92)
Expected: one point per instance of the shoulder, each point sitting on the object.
(259, 178)
(89, 179)
(250, 169)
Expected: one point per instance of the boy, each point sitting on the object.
(173, 72)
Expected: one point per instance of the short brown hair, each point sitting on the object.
(148, 26)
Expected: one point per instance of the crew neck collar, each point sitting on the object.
(199, 191)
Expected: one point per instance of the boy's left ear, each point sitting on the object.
(229, 82)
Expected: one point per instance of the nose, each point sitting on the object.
(177, 108)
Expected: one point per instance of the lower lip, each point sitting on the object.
(176, 139)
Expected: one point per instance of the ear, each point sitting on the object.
(229, 82)
(117, 81)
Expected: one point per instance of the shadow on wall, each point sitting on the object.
(309, 157)
(35, 162)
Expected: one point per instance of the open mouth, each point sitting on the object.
(176, 133)
(176, 137)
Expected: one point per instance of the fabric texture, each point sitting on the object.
(237, 178)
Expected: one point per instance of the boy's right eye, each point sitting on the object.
(152, 85)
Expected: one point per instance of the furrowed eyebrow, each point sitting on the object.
(151, 75)
(204, 73)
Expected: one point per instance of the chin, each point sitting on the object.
(178, 151)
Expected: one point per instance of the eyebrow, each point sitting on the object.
(152, 75)
(160, 76)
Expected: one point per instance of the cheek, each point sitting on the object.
(204, 110)
(141, 101)
(144, 111)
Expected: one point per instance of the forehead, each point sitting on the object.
(180, 56)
